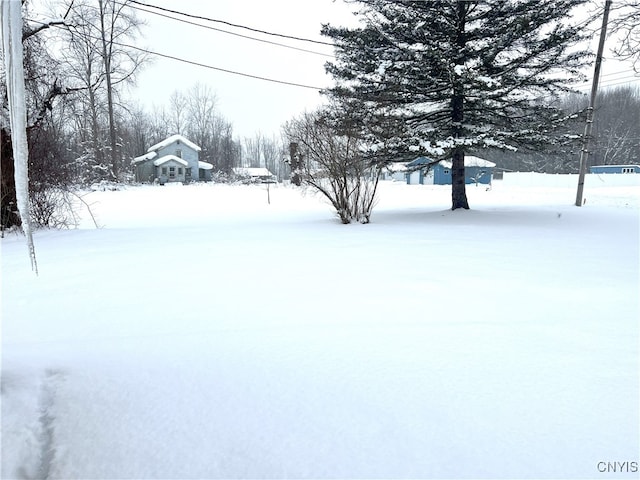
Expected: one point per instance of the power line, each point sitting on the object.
(203, 65)
(224, 22)
(224, 31)
(198, 64)
(211, 67)
(611, 82)
(625, 73)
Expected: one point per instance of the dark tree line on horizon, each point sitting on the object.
(616, 136)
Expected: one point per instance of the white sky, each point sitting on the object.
(251, 105)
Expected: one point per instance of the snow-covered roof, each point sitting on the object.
(172, 139)
(470, 161)
(168, 158)
(205, 166)
(253, 172)
(396, 167)
(146, 156)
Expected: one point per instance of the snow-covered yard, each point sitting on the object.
(203, 333)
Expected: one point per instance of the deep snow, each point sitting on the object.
(203, 333)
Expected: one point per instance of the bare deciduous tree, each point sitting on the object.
(118, 23)
(204, 124)
(43, 88)
(97, 33)
(252, 151)
(624, 22)
(178, 113)
(616, 130)
(160, 124)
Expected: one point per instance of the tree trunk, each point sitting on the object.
(295, 164)
(458, 187)
(106, 55)
(458, 190)
(95, 128)
(8, 200)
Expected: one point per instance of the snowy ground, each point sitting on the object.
(203, 333)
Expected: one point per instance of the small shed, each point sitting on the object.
(423, 171)
(615, 169)
(255, 174)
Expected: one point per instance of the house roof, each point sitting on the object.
(396, 167)
(469, 161)
(145, 157)
(253, 172)
(174, 138)
(420, 161)
(168, 158)
(614, 166)
(205, 166)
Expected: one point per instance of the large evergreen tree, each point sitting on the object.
(438, 77)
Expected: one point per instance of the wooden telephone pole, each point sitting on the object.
(586, 139)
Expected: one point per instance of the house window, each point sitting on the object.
(164, 170)
(172, 172)
(179, 170)
(446, 171)
(188, 171)
(179, 153)
(628, 170)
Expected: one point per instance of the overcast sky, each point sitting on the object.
(253, 105)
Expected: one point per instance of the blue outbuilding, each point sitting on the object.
(615, 169)
(422, 171)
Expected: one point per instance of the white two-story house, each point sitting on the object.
(175, 159)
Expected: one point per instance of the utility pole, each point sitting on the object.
(586, 139)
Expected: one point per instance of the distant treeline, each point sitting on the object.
(616, 136)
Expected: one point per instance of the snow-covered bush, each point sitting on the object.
(331, 163)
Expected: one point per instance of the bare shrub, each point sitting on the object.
(332, 164)
(52, 207)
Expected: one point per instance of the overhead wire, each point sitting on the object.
(224, 22)
(219, 69)
(613, 78)
(198, 64)
(129, 4)
(212, 67)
